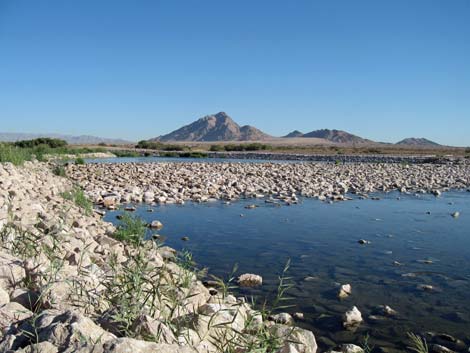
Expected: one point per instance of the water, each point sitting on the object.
(321, 241)
(184, 160)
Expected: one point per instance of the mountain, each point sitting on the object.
(72, 140)
(337, 136)
(295, 133)
(415, 141)
(217, 127)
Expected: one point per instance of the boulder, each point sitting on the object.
(11, 270)
(130, 345)
(12, 312)
(42, 347)
(145, 326)
(250, 280)
(352, 318)
(296, 340)
(4, 297)
(347, 348)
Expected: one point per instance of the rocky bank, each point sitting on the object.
(281, 182)
(67, 285)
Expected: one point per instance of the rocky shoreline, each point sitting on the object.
(332, 158)
(114, 183)
(68, 285)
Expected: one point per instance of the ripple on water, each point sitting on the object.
(409, 248)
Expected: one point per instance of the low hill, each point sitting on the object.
(337, 136)
(295, 133)
(418, 141)
(217, 127)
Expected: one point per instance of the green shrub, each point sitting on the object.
(79, 198)
(216, 148)
(124, 153)
(155, 145)
(59, 170)
(49, 142)
(79, 160)
(131, 230)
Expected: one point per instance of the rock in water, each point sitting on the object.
(344, 291)
(347, 348)
(250, 280)
(455, 214)
(352, 318)
(156, 225)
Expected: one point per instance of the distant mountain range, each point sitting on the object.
(221, 127)
(72, 140)
(217, 127)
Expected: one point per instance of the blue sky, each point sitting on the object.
(136, 69)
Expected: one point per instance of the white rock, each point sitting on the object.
(250, 280)
(352, 317)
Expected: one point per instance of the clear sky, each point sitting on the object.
(136, 69)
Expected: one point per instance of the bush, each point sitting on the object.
(240, 148)
(49, 142)
(131, 230)
(126, 153)
(59, 170)
(216, 148)
(80, 161)
(79, 198)
(155, 145)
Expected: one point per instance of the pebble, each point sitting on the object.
(455, 214)
(363, 241)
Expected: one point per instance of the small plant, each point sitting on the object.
(79, 198)
(418, 344)
(366, 345)
(226, 286)
(79, 161)
(131, 230)
(59, 170)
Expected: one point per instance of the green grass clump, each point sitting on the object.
(13, 154)
(79, 198)
(59, 170)
(418, 344)
(131, 230)
(80, 161)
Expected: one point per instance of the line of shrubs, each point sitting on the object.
(26, 150)
(240, 148)
(154, 145)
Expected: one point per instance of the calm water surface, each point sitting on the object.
(321, 241)
(184, 160)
